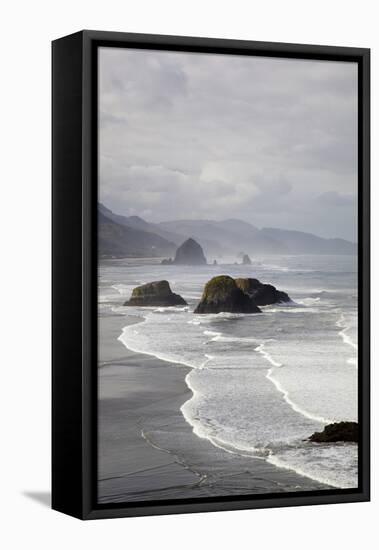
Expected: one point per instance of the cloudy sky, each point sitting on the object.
(193, 136)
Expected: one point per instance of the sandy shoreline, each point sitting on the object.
(146, 448)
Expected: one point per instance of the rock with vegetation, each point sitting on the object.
(246, 260)
(166, 262)
(263, 294)
(190, 253)
(339, 431)
(157, 293)
(221, 294)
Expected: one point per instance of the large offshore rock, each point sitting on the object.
(221, 294)
(246, 259)
(190, 253)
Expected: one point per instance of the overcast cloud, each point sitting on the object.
(269, 141)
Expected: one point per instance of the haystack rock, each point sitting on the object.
(157, 293)
(221, 294)
(190, 253)
(262, 294)
(246, 260)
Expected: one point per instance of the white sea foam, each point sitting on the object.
(341, 323)
(220, 337)
(124, 290)
(260, 349)
(126, 337)
(105, 298)
(284, 392)
(309, 301)
(132, 312)
(267, 382)
(334, 465)
(292, 404)
(299, 309)
(173, 309)
(212, 333)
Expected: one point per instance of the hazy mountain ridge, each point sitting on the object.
(299, 242)
(135, 237)
(226, 237)
(121, 241)
(139, 223)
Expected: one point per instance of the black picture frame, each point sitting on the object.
(74, 294)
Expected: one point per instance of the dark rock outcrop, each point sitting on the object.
(215, 262)
(221, 294)
(246, 260)
(262, 294)
(167, 262)
(339, 431)
(190, 253)
(157, 293)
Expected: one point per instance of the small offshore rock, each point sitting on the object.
(338, 431)
(157, 294)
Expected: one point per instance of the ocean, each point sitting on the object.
(261, 383)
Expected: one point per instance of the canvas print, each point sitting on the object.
(227, 275)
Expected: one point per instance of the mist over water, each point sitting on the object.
(261, 384)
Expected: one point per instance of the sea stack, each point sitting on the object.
(190, 253)
(262, 294)
(221, 294)
(246, 260)
(155, 294)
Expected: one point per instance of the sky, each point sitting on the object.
(203, 136)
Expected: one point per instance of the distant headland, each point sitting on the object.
(133, 237)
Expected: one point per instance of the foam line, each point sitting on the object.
(279, 387)
(123, 338)
(272, 459)
(341, 323)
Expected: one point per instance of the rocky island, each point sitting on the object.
(188, 253)
(221, 294)
(225, 294)
(157, 293)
